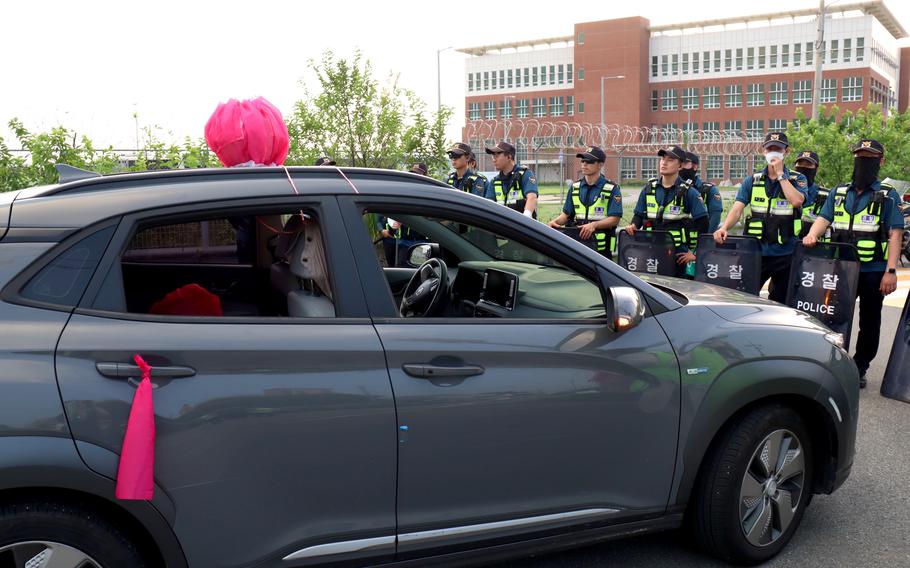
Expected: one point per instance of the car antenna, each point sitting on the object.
(70, 173)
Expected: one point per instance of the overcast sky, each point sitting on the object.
(91, 65)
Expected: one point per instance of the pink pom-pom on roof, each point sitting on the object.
(247, 131)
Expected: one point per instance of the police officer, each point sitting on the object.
(708, 191)
(667, 203)
(515, 185)
(865, 213)
(464, 177)
(419, 168)
(807, 164)
(324, 161)
(594, 203)
(775, 196)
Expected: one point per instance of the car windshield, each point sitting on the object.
(496, 246)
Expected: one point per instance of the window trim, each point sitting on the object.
(348, 298)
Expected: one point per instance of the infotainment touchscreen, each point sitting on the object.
(499, 288)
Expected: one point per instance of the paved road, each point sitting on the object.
(866, 523)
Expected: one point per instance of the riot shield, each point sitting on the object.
(896, 382)
(823, 283)
(735, 264)
(591, 242)
(647, 251)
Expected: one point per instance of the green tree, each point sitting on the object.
(359, 122)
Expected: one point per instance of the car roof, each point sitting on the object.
(83, 202)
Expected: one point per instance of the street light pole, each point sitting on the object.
(602, 79)
(439, 79)
(819, 54)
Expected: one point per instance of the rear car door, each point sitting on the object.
(555, 421)
(275, 432)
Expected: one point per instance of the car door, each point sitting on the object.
(551, 423)
(275, 435)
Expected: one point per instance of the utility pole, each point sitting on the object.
(819, 55)
(439, 79)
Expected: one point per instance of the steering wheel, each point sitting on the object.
(426, 291)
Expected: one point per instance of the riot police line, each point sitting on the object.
(819, 250)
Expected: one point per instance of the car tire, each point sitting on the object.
(32, 531)
(742, 509)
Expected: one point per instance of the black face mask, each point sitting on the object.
(808, 172)
(865, 171)
(688, 175)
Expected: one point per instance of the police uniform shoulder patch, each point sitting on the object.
(718, 197)
(617, 198)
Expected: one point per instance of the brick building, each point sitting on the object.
(739, 76)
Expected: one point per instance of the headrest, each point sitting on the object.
(307, 258)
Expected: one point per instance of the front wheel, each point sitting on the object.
(755, 487)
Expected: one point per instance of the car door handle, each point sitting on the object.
(126, 370)
(426, 371)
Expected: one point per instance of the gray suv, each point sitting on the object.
(362, 367)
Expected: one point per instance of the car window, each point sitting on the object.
(63, 280)
(254, 264)
(488, 274)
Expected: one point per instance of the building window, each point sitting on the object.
(527, 77)
(543, 75)
(739, 59)
(540, 106)
(706, 62)
(628, 168)
(507, 108)
(486, 80)
(473, 111)
(552, 74)
(477, 82)
(534, 76)
(852, 89)
(728, 60)
(717, 61)
(779, 93)
(797, 47)
(470, 82)
(829, 91)
(695, 63)
(509, 77)
(664, 65)
(802, 92)
(711, 97)
(489, 110)
(715, 167)
(777, 124)
(581, 108)
(502, 79)
(676, 64)
(750, 58)
(810, 52)
(834, 51)
(569, 73)
(733, 96)
(690, 98)
(561, 75)
(755, 129)
(711, 127)
(737, 167)
(648, 168)
(570, 105)
(669, 99)
(522, 110)
(654, 103)
(860, 48)
(785, 55)
(581, 73)
(685, 63)
(733, 129)
(654, 66)
(556, 106)
(848, 50)
(581, 38)
(772, 60)
(755, 95)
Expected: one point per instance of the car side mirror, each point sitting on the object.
(626, 309)
(422, 252)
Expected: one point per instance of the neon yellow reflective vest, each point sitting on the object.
(671, 217)
(597, 211)
(771, 220)
(864, 229)
(512, 193)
